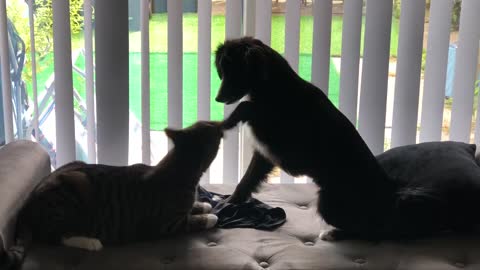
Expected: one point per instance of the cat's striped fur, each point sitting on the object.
(91, 205)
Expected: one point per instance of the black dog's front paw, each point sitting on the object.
(242, 113)
(236, 199)
(229, 123)
(335, 235)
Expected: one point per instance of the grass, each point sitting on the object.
(158, 34)
(158, 59)
(158, 97)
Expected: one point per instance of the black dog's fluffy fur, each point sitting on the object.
(297, 128)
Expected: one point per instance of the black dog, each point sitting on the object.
(297, 128)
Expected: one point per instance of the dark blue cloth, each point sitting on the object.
(250, 214)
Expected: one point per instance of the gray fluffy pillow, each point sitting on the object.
(432, 161)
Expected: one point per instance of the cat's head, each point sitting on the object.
(200, 141)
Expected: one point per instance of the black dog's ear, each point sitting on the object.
(221, 56)
(219, 53)
(256, 61)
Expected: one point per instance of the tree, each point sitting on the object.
(17, 11)
(457, 7)
(455, 21)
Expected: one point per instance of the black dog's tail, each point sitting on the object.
(416, 198)
(421, 193)
(15, 255)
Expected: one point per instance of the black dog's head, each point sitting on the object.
(241, 64)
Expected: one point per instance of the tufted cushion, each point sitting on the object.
(295, 245)
(22, 165)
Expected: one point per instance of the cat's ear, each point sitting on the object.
(176, 135)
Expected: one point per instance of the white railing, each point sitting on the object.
(363, 84)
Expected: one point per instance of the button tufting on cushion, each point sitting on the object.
(360, 261)
(287, 247)
(309, 243)
(264, 264)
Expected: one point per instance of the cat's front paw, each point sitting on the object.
(211, 221)
(91, 244)
(201, 208)
(206, 208)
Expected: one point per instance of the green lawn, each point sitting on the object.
(158, 58)
(158, 84)
(158, 34)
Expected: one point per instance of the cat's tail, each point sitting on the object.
(13, 258)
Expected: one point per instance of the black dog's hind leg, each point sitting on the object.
(335, 234)
(242, 113)
(257, 171)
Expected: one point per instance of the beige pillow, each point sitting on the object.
(22, 165)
